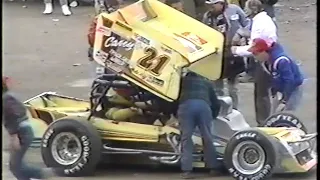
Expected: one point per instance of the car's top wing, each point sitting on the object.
(148, 43)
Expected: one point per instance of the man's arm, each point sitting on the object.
(244, 21)
(287, 77)
(243, 50)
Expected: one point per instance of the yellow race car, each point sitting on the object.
(130, 117)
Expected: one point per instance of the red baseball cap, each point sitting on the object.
(259, 45)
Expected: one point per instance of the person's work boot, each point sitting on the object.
(187, 175)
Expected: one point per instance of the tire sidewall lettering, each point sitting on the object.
(246, 135)
(258, 176)
(267, 167)
(85, 142)
(283, 119)
(46, 137)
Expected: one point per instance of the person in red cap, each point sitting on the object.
(287, 78)
(17, 124)
(261, 26)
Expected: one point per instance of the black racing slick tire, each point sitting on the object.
(250, 155)
(284, 119)
(72, 146)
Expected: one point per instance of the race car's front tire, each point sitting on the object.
(284, 119)
(250, 155)
(72, 147)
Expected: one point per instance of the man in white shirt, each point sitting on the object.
(262, 27)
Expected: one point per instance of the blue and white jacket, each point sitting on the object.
(286, 74)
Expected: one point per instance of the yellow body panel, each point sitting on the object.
(152, 42)
(236, 2)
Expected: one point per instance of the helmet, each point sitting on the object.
(253, 7)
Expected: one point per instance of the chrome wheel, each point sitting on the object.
(66, 148)
(248, 157)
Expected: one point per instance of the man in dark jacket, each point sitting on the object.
(198, 107)
(286, 76)
(227, 18)
(16, 122)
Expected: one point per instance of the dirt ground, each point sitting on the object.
(40, 53)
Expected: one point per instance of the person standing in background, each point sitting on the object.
(262, 27)
(227, 18)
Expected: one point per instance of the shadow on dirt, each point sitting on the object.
(163, 169)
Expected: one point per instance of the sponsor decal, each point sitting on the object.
(112, 41)
(155, 80)
(246, 134)
(194, 38)
(102, 56)
(187, 43)
(104, 30)
(118, 58)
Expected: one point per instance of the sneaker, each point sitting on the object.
(187, 175)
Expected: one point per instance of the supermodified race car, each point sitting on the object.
(130, 117)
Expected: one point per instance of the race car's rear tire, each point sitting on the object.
(250, 155)
(284, 119)
(72, 147)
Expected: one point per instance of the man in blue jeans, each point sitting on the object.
(287, 78)
(198, 106)
(16, 122)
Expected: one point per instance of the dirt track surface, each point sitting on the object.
(39, 53)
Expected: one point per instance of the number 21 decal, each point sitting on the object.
(152, 62)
